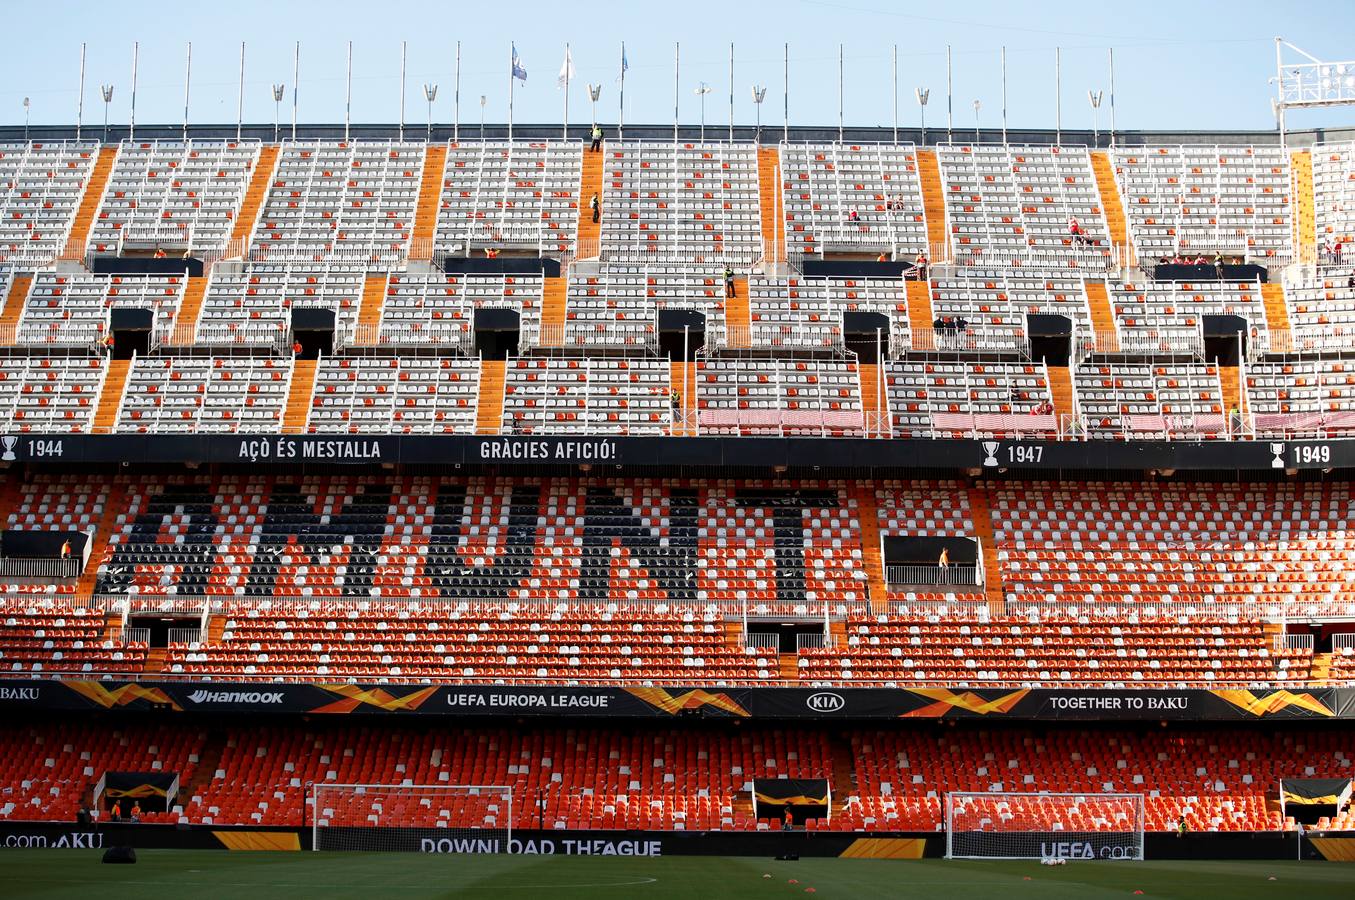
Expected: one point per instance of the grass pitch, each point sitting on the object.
(367, 876)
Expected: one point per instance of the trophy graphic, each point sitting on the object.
(1276, 463)
(990, 451)
(8, 441)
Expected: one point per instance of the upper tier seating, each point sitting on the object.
(394, 396)
(72, 307)
(1196, 200)
(587, 396)
(40, 189)
(823, 184)
(952, 399)
(197, 395)
(47, 502)
(1322, 314)
(790, 313)
(174, 192)
(254, 306)
(510, 195)
(440, 309)
(38, 636)
(1298, 398)
(1146, 400)
(618, 306)
(995, 306)
(769, 396)
(1166, 315)
(49, 395)
(1334, 200)
(345, 200)
(692, 203)
(1012, 206)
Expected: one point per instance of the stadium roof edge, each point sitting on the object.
(770, 134)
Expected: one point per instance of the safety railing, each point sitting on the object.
(130, 635)
(952, 574)
(48, 568)
(814, 640)
(762, 640)
(1299, 642)
(185, 636)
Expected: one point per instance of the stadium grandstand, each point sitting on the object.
(762, 493)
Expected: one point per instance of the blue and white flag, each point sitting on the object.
(519, 70)
(566, 71)
(624, 64)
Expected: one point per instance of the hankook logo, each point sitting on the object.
(825, 702)
(235, 697)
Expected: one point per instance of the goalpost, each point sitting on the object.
(1044, 826)
(419, 818)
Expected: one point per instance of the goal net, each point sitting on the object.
(412, 818)
(1044, 826)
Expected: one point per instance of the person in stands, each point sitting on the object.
(136, 812)
(597, 140)
(920, 266)
(115, 814)
(296, 348)
(491, 253)
(943, 561)
(883, 257)
(596, 206)
(790, 819)
(107, 343)
(66, 550)
(852, 216)
(160, 253)
(1181, 826)
(729, 283)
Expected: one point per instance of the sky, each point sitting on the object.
(1178, 65)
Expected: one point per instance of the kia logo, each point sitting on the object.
(825, 702)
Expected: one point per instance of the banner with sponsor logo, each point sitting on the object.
(1051, 704)
(715, 451)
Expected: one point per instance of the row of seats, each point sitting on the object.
(646, 777)
(41, 185)
(515, 195)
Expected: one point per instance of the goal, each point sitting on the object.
(457, 818)
(1044, 826)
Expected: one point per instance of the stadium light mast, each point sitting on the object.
(701, 92)
(759, 94)
(977, 104)
(187, 78)
(1309, 84)
(278, 91)
(80, 97)
(923, 94)
(107, 91)
(27, 104)
(430, 93)
(1094, 98)
(482, 117)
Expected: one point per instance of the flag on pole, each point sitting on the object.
(624, 64)
(519, 70)
(566, 71)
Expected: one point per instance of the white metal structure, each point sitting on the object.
(438, 818)
(1309, 84)
(1003, 825)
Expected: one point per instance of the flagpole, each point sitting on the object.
(456, 98)
(731, 92)
(512, 53)
(785, 90)
(565, 134)
(894, 68)
(621, 112)
(677, 64)
(403, 54)
(1004, 94)
(296, 84)
(949, 94)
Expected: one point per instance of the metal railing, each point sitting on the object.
(816, 640)
(185, 636)
(762, 640)
(17, 567)
(132, 635)
(1300, 642)
(953, 574)
(1343, 641)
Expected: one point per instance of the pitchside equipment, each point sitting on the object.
(442, 818)
(1044, 826)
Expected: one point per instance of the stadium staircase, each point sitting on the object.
(554, 310)
(979, 505)
(919, 307)
(430, 199)
(1305, 216)
(209, 759)
(110, 398)
(738, 322)
(1061, 391)
(14, 308)
(685, 384)
(873, 401)
(489, 405)
(1277, 311)
(1320, 669)
(1103, 317)
(114, 504)
(933, 201)
(868, 515)
(369, 313)
(299, 394)
(254, 196)
(89, 202)
(186, 319)
(154, 663)
(842, 780)
(1230, 380)
(768, 165)
(589, 244)
(1111, 205)
(788, 666)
